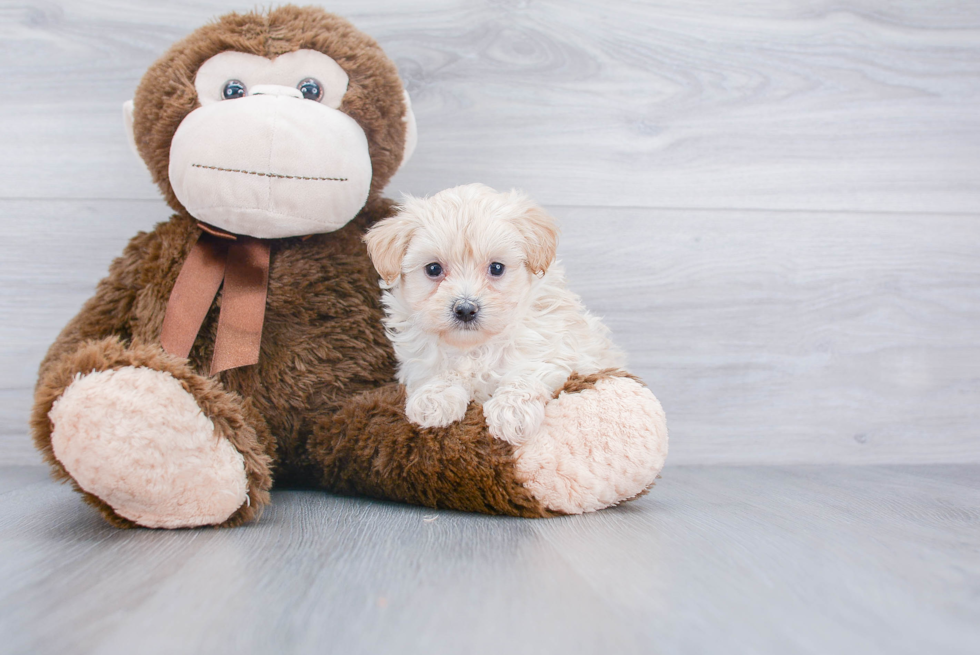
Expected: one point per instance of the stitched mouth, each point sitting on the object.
(275, 175)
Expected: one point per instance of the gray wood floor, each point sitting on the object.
(805, 559)
(774, 204)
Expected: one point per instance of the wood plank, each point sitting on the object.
(13, 478)
(741, 559)
(959, 474)
(757, 537)
(793, 337)
(770, 337)
(865, 105)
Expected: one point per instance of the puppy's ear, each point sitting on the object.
(540, 232)
(386, 243)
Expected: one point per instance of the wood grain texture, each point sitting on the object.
(16, 477)
(826, 309)
(813, 104)
(793, 336)
(716, 559)
(774, 337)
(773, 334)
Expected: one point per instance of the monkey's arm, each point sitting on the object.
(84, 344)
(126, 423)
(603, 441)
(369, 447)
(107, 313)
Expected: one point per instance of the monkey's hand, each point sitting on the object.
(150, 441)
(437, 404)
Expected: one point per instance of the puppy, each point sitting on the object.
(477, 309)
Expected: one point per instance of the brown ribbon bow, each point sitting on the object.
(243, 264)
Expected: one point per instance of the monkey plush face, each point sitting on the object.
(273, 125)
(269, 153)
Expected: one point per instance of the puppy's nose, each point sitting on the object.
(465, 310)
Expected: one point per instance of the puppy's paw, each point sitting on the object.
(437, 405)
(514, 413)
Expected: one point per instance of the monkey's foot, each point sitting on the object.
(135, 438)
(603, 441)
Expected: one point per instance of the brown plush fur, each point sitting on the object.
(233, 418)
(370, 448)
(577, 382)
(374, 95)
(320, 408)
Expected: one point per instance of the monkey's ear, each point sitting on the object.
(411, 131)
(386, 243)
(540, 232)
(128, 109)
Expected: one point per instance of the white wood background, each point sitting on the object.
(774, 203)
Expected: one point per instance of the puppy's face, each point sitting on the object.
(463, 261)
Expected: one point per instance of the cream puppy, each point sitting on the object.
(477, 309)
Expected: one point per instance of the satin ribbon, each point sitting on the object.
(242, 263)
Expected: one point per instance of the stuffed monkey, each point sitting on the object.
(241, 341)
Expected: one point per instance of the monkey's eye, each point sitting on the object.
(310, 89)
(233, 89)
(433, 270)
(496, 269)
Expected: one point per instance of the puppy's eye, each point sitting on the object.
(496, 269)
(233, 89)
(433, 270)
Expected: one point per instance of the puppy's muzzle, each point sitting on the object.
(465, 310)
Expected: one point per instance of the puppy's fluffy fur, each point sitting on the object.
(528, 332)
